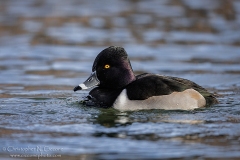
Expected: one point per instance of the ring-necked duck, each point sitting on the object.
(118, 87)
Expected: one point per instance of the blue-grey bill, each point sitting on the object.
(89, 83)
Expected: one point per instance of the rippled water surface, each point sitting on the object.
(48, 47)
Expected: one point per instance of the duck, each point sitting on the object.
(116, 86)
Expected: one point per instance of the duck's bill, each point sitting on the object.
(89, 83)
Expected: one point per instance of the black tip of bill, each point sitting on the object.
(77, 88)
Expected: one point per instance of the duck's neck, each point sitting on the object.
(125, 78)
(128, 75)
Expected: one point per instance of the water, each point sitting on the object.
(48, 47)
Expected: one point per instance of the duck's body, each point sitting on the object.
(186, 100)
(119, 88)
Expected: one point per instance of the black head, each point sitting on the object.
(113, 68)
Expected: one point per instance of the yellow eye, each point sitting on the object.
(107, 66)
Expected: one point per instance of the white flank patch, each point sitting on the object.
(83, 86)
(187, 100)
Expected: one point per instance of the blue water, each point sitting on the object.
(48, 47)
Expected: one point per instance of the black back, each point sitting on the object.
(148, 85)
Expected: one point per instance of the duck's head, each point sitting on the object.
(111, 69)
